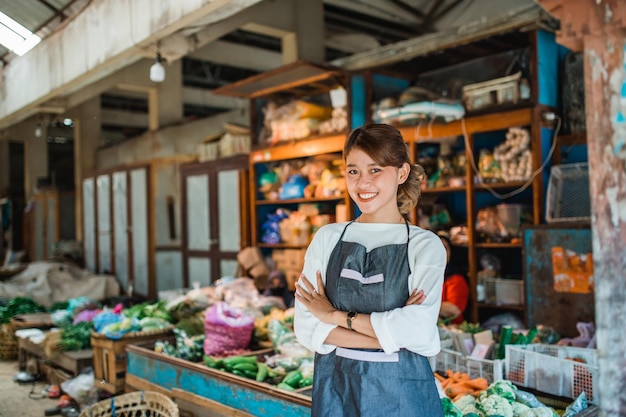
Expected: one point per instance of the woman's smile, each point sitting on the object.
(367, 196)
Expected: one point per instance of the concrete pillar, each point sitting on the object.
(599, 29)
(307, 43)
(35, 154)
(170, 96)
(4, 167)
(87, 127)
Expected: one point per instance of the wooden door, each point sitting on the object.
(116, 228)
(50, 219)
(215, 218)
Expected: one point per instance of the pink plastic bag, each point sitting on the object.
(226, 328)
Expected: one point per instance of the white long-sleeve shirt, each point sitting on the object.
(411, 327)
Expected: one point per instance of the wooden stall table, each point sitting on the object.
(73, 362)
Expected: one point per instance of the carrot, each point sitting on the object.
(453, 390)
(447, 382)
(459, 396)
(439, 377)
(480, 384)
(461, 376)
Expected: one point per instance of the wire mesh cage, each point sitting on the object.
(568, 193)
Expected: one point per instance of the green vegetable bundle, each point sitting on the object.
(17, 306)
(76, 336)
(147, 309)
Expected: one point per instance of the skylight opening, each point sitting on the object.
(15, 36)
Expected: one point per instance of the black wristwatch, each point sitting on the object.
(349, 317)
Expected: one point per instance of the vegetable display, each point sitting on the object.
(252, 368)
(76, 336)
(17, 306)
(458, 384)
(499, 399)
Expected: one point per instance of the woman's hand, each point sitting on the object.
(416, 298)
(315, 300)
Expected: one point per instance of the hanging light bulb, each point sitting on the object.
(38, 130)
(157, 70)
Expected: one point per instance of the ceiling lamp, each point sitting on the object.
(157, 70)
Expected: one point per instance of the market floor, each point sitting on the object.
(21, 400)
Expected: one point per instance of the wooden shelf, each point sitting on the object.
(299, 200)
(503, 245)
(468, 125)
(500, 185)
(280, 245)
(501, 306)
(299, 148)
(443, 190)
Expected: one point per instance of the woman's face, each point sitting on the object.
(374, 187)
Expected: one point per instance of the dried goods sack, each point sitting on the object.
(226, 328)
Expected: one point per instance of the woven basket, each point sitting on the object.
(139, 403)
(8, 343)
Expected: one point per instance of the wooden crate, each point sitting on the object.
(32, 321)
(72, 362)
(109, 357)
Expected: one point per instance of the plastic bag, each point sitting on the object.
(224, 314)
(79, 387)
(285, 341)
(105, 318)
(85, 315)
(579, 404)
(226, 328)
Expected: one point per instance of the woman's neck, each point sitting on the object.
(364, 218)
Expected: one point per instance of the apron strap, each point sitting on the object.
(408, 234)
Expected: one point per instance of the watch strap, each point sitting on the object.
(349, 317)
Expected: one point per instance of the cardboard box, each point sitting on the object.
(292, 276)
(252, 262)
(294, 258)
(250, 256)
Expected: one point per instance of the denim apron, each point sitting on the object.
(370, 383)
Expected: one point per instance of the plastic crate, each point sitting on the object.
(491, 370)
(567, 197)
(504, 291)
(554, 369)
(492, 92)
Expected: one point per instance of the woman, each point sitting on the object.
(360, 301)
(455, 293)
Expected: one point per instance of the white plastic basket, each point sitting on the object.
(564, 371)
(502, 291)
(491, 370)
(567, 197)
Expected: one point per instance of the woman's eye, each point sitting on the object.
(375, 170)
(352, 172)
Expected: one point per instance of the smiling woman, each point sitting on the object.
(369, 296)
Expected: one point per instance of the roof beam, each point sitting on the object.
(83, 52)
(238, 55)
(389, 54)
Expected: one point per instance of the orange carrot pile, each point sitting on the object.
(458, 384)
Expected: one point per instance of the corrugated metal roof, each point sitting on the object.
(39, 16)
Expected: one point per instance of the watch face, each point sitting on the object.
(351, 314)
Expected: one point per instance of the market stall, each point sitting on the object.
(227, 392)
